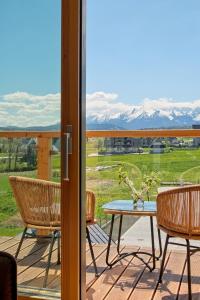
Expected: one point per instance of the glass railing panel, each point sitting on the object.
(174, 161)
(18, 157)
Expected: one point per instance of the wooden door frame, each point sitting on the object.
(73, 113)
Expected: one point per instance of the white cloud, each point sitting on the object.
(111, 107)
(100, 104)
(25, 109)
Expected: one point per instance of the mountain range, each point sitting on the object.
(137, 118)
(143, 118)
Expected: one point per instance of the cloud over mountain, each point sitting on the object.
(25, 109)
(150, 113)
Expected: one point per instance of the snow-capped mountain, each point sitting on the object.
(161, 113)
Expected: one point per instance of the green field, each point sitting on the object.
(102, 178)
(173, 167)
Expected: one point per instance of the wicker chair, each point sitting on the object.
(90, 213)
(178, 215)
(8, 277)
(39, 205)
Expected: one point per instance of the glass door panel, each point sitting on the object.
(30, 141)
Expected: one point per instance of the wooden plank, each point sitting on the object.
(55, 284)
(8, 244)
(101, 266)
(34, 276)
(30, 134)
(95, 238)
(30, 260)
(147, 283)
(168, 289)
(195, 272)
(4, 239)
(99, 233)
(98, 250)
(107, 133)
(144, 133)
(128, 279)
(26, 246)
(44, 158)
(108, 278)
(98, 228)
(44, 166)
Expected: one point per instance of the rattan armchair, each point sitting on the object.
(39, 205)
(178, 215)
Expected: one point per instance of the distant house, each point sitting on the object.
(157, 147)
(174, 142)
(122, 145)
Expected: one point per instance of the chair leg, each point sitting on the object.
(49, 257)
(189, 270)
(58, 259)
(91, 251)
(21, 241)
(163, 260)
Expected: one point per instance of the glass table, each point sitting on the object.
(125, 207)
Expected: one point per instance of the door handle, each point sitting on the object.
(68, 150)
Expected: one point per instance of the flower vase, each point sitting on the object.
(137, 203)
(140, 203)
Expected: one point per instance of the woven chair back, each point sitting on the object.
(179, 210)
(38, 201)
(90, 207)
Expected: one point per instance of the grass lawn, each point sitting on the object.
(8, 208)
(172, 167)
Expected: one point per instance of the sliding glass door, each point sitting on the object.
(42, 109)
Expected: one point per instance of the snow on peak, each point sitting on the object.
(107, 106)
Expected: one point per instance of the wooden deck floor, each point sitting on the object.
(129, 279)
(32, 260)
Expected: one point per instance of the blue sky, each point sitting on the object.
(30, 46)
(136, 49)
(146, 48)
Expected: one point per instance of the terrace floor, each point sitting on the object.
(129, 279)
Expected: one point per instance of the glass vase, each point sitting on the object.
(138, 203)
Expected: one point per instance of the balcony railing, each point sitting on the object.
(44, 148)
(44, 171)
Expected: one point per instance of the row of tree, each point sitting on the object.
(17, 154)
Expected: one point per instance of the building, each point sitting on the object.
(157, 147)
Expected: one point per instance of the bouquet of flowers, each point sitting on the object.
(148, 182)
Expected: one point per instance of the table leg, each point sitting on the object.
(109, 241)
(134, 253)
(119, 234)
(152, 243)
